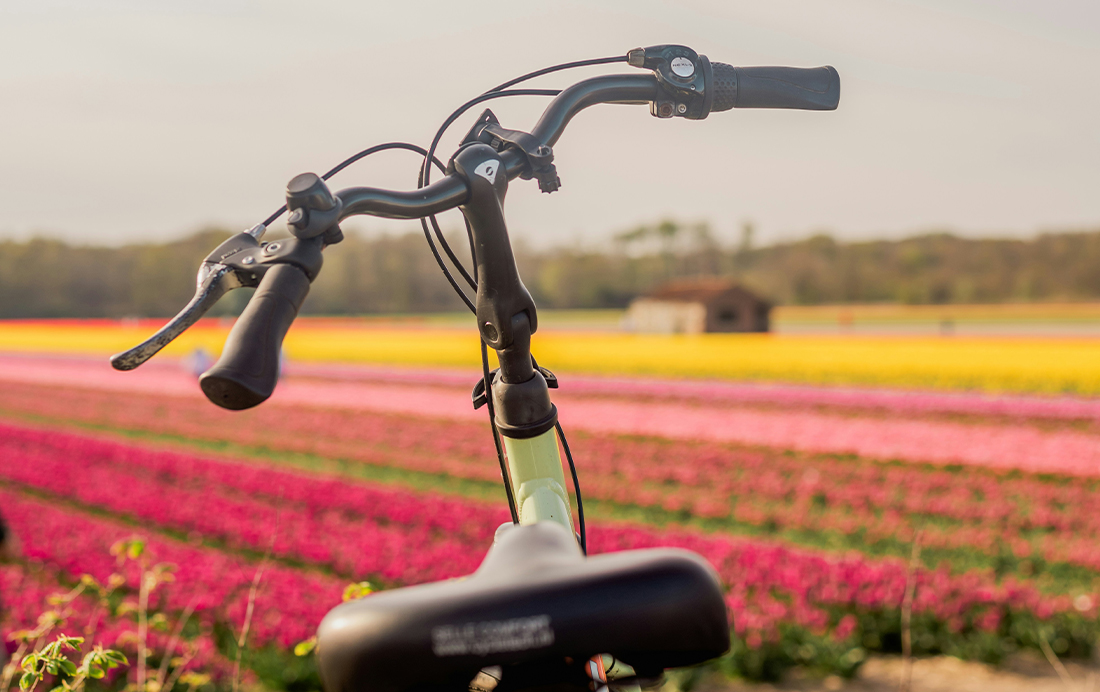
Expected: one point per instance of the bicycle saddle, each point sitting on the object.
(536, 607)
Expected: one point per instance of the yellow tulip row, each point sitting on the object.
(997, 364)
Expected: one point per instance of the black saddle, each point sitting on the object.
(536, 607)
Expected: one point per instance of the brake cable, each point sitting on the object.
(362, 155)
(425, 169)
(422, 181)
(424, 178)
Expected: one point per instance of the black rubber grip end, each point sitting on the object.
(248, 370)
(804, 88)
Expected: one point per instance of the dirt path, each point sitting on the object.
(939, 674)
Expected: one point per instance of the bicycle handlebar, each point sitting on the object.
(812, 88)
(679, 83)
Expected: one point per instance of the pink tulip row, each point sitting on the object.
(891, 401)
(163, 373)
(768, 583)
(1026, 447)
(384, 439)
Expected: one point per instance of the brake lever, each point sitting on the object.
(213, 282)
(231, 265)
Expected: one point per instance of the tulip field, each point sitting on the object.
(1024, 364)
(821, 498)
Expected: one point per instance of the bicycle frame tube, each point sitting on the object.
(538, 482)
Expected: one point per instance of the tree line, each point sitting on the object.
(397, 274)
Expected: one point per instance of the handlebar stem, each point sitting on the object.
(501, 294)
(506, 315)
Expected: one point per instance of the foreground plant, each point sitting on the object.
(104, 613)
(52, 660)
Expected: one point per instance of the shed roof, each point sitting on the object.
(701, 291)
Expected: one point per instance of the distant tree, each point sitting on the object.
(396, 274)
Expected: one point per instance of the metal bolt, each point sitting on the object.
(665, 110)
(271, 247)
(248, 260)
(681, 108)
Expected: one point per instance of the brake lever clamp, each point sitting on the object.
(240, 261)
(682, 78)
(539, 157)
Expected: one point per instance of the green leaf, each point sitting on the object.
(68, 666)
(71, 642)
(131, 548)
(116, 658)
(27, 681)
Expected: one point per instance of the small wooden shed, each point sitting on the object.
(694, 306)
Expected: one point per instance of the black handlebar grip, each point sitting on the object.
(248, 369)
(805, 88)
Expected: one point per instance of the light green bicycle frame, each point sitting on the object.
(538, 481)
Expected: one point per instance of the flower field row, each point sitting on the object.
(1002, 364)
(978, 513)
(712, 392)
(1017, 446)
(355, 530)
(768, 584)
(164, 376)
(290, 604)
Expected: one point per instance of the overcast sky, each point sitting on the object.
(148, 119)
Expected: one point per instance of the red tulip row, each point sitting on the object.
(769, 584)
(355, 530)
(214, 584)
